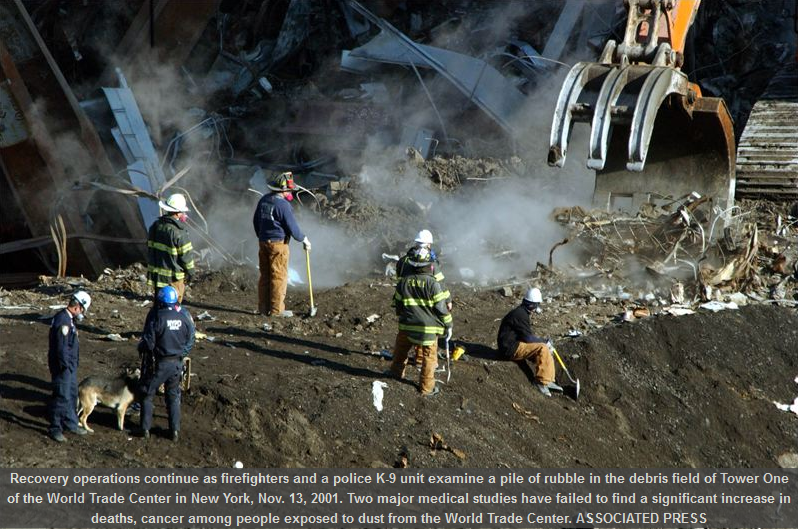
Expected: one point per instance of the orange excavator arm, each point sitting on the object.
(680, 22)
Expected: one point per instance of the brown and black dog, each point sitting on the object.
(117, 393)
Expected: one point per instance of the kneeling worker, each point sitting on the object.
(517, 342)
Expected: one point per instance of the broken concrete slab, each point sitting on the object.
(133, 139)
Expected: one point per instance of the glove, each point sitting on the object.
(306, 243)
(549, 344)
(449, 334)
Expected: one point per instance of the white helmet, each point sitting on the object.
(424, 237)
(175, 204)
(83, 299)
(533, 296)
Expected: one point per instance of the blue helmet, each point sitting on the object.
(167, 295)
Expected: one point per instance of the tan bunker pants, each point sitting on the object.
(539, 354)
(273, 282)
(426, 356)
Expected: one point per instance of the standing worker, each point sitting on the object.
(518, 343)
(274, 225)
(423, 240)
(169, 261)
(62, 359)
(167, 339)
(420, 304)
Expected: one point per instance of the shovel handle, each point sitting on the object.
(557, 356)
(448, 363)
(310, 281)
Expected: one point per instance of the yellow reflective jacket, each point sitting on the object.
(168, 252)
(420, 304)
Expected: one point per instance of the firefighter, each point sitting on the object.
(275, 225)
(518, 343)
(420, 303)
(423, 240)
(167, 339)
(62, 359)
(169, 261)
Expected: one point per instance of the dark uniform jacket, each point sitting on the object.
(404, 268)
(63, 352)
(168, 332)
(420, 304)
(168, 252)
(514, 328)
(274, 220)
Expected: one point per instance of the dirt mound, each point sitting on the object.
(699, 387)
(664, 391)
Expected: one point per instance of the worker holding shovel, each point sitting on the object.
(518, 343)
(275, 225)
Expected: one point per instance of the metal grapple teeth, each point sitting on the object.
(607, 95)
(649, 120)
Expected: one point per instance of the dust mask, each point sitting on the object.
(288, 196)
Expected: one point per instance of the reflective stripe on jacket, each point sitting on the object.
(420, 304)
(168, 252)
(404, 268)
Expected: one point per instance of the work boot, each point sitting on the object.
(175, 435)
(554, 387)
(543, 389)
(58, 437)
(436, 390)
(80, 430)
(284, 314)
(144, 434)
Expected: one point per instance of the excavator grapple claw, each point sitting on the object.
(652, 135)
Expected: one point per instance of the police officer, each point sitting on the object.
(62, 359)
(167, 339)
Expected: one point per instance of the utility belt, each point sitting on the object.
(275, 241)
(167, 359)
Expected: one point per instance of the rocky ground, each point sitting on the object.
(694, 390)
(661, 385)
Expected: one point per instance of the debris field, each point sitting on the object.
(679, 319)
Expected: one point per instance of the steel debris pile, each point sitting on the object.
(684, 257)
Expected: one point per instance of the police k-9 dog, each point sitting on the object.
(117, 393)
